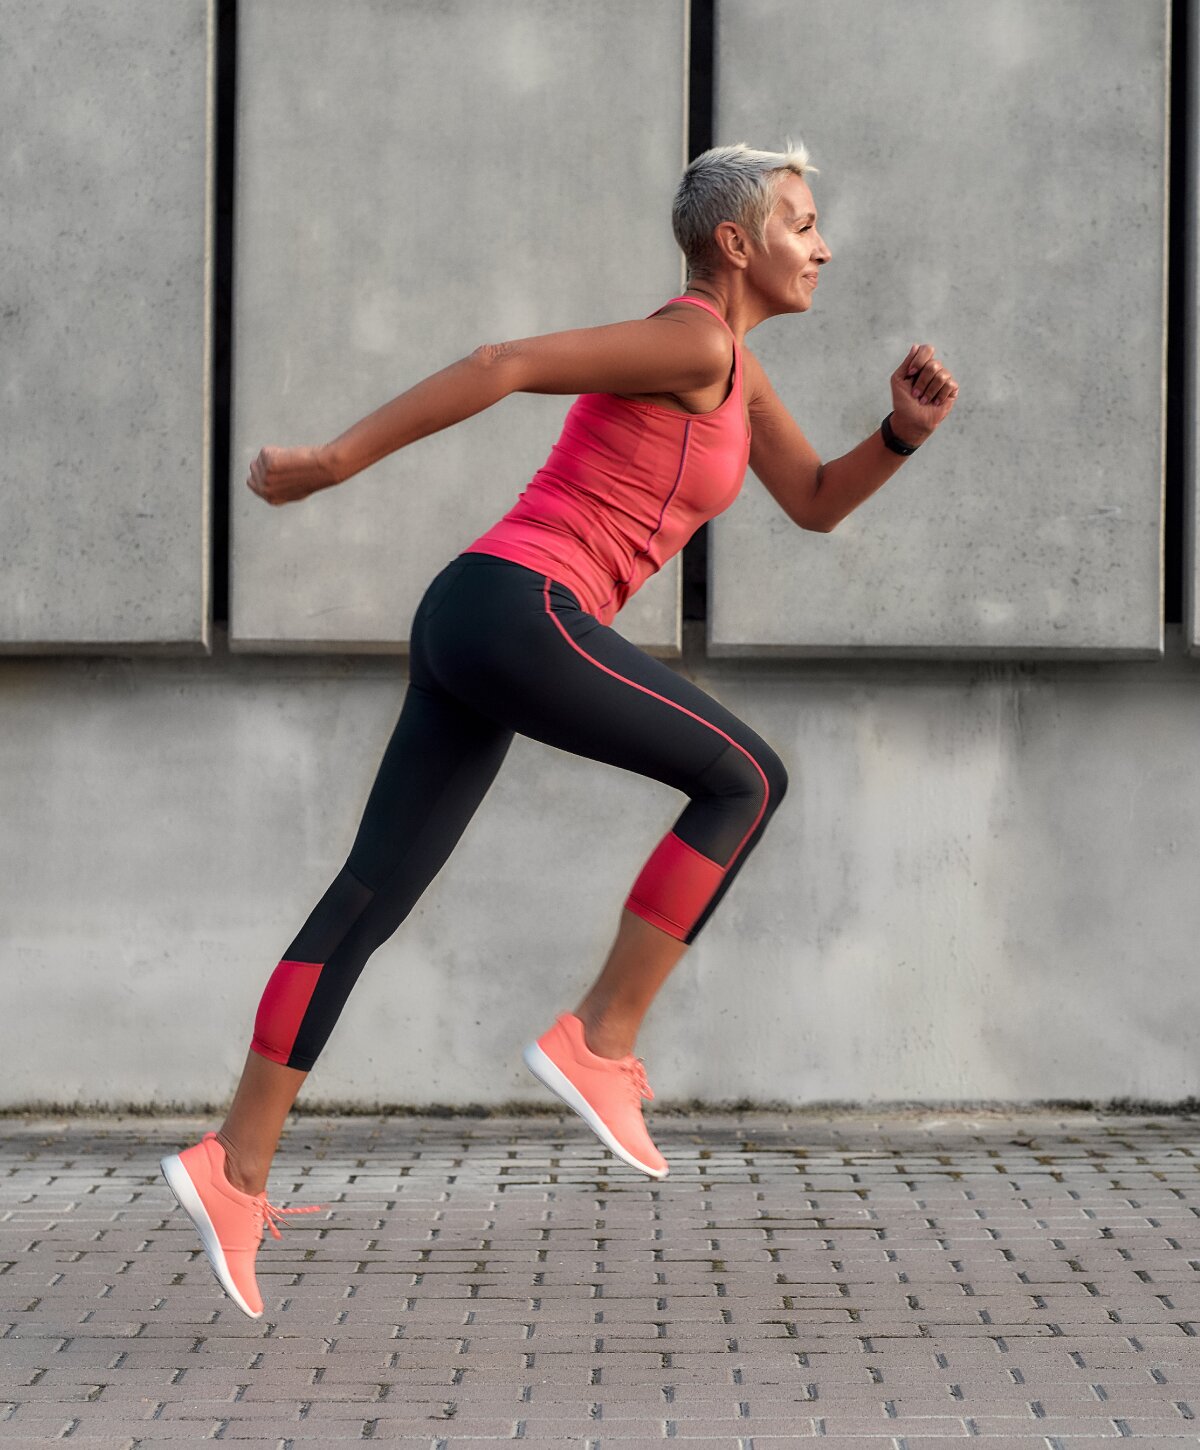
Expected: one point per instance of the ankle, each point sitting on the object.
(241, 1169)
(606, 1034)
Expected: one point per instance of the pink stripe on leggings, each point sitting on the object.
(654, 695)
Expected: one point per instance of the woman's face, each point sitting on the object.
(786, 269)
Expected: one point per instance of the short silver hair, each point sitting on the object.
(730, 184)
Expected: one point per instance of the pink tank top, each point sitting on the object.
(625, 487)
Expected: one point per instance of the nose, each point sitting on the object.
(822, 254)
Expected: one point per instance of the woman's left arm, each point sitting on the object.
(818, 495)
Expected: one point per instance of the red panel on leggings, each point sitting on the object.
(674, 887)
(282, 1009)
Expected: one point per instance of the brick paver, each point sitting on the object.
(911, 1279)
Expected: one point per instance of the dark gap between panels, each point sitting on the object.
(222, 304)
(701, 105)
(1179, 182)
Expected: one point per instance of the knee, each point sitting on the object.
(754, 777)
(776, 776)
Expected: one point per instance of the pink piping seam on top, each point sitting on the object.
(662, 513)
(654, 695)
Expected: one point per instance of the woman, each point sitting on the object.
(513, 636)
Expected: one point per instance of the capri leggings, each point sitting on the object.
(498, 649)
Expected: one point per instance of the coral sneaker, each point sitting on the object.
(230, 1222)
(606, 1092)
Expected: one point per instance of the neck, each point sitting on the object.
(730, 294)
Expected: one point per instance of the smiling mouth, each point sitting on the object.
(811, 278)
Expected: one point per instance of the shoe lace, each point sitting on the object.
(635, 1070)
(271, 1214)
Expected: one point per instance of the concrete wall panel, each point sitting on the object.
(414, 180)
(992, 181)
(975, 888)
(105, 174)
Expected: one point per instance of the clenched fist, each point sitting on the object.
(923, 392)
(284, 475)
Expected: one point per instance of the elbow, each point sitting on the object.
(498, 362)
(492, 355)
(813, 519)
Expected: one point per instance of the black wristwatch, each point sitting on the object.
(891, 441)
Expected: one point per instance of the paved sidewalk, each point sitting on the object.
(898, 1279)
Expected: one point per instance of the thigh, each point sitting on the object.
(441, 758)
(517, 647)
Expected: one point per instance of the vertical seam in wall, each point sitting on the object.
(222, 304)
(207, 442)
(1177, 460)
(701, 67)
(701, 105)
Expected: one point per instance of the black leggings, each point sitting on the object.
(496, 649)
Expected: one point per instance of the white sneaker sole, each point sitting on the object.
(562, 1087)
(180, 1183)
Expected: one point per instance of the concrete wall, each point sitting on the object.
(105, 175)
(414, 180)
(981, 886)
(993, 181)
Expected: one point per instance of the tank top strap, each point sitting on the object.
(698, 302)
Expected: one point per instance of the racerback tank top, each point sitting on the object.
(625, 487)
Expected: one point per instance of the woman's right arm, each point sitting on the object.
(662, 354)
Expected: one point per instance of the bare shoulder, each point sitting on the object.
(710, 338)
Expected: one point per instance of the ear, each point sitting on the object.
(733, 244)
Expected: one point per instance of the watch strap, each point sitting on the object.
(891, 441)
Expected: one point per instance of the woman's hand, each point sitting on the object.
(284, 475)
(923, 392)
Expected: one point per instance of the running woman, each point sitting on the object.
(514, 635)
